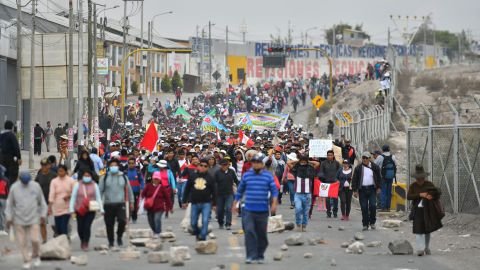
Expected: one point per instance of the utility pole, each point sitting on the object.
(198, 49)
(125, 45)
(334, 52)
(202, 55)
(71, 100)
(95, 79)
(80, 75)
(142, 84)
(32, 84)
(19, 70)
(90, 69)
(210, 53)
(147, 70)
(434, 45)
(227, 77)
(425, 43)
(459, 47)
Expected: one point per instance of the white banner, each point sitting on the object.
(319, 148)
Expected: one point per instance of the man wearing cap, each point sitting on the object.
(26, 209)
(259, 189)
(200, 191)
(366, 184)
(348, 152)
(44, 177)
(225, 179)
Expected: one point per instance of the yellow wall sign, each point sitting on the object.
(348, 117)
(318, 101)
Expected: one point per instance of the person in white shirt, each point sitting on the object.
(366, 183)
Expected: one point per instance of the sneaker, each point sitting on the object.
(373, 227)
(261, 261)
(428, 251)
(249, 261)
(37, 262)
(304, 228)
(365, 228)
(291, 206)
(228, 228)
(3, 233)
(27, 266)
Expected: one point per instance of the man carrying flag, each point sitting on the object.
(328, 174)
(304, 172)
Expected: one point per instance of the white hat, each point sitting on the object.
(292, 156)
(223, 152)
(162, 164)
(114, 154)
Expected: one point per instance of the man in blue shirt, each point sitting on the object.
(97, 161)
(137, 184)
(258, 189)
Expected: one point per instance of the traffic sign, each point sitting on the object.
(318, 101)
(216, 75)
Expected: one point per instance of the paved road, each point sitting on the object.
(231, 248)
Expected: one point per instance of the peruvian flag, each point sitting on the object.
(149, 141)
(242, 138)
(329, 190)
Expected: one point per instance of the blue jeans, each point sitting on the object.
(368, 203)
(255, 228)
(155, 221)
(303, 202)
(180, 191)
(224, 210)
(291, 192)
(61, 224)
(386, 195)
(197, 209)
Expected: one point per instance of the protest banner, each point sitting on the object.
(319, 148)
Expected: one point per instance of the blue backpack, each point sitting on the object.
(389, 168)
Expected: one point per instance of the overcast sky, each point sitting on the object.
(265, 17)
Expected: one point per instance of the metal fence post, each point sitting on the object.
(430, 139)
(455, 159)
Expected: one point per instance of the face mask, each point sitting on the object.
(87, 179)
(114, 169)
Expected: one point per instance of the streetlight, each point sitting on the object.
(159, 14)
(306, 33)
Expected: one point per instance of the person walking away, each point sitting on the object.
(427, 212)
(304, 172)
(328, 174)
(366, 184)
(388, 165)
(137, 184)
(38, 135)
(116, 192)
(84, 192)
(97, 160)
(61, 189)
(200, 192)
(259, 189)
(348, 152)
(4, 184)
(26, 209)
(44, 178)
(10, 156)
(288, 179)
(159, 195)
(57, 133)
(225, 179)
(48, 135)
(295, 103)
(344, 175)
(304, 97)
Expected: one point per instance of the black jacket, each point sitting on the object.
(9, 145)
(174, 166)
(357, 179)
(200, 188)
(225, 181)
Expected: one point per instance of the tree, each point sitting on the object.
(339, 28)
(443, 38)
(166, 84)
(134, 87)
(176, 81)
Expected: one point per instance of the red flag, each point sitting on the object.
(329, 190)
(150, 138)
(242, 138)
(219, 139)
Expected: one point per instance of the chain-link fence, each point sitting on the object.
(451, 154)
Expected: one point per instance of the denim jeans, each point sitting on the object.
(61, 224)
(224, 210)
(155, 221)
(303, 202)
(180, 191)
(386, 196)
(3, 206)
(255, 228)
(368, 203)
(291, 191)
(197, 209)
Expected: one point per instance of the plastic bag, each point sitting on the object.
(141, 209)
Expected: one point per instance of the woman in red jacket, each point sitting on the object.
(161, 203)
